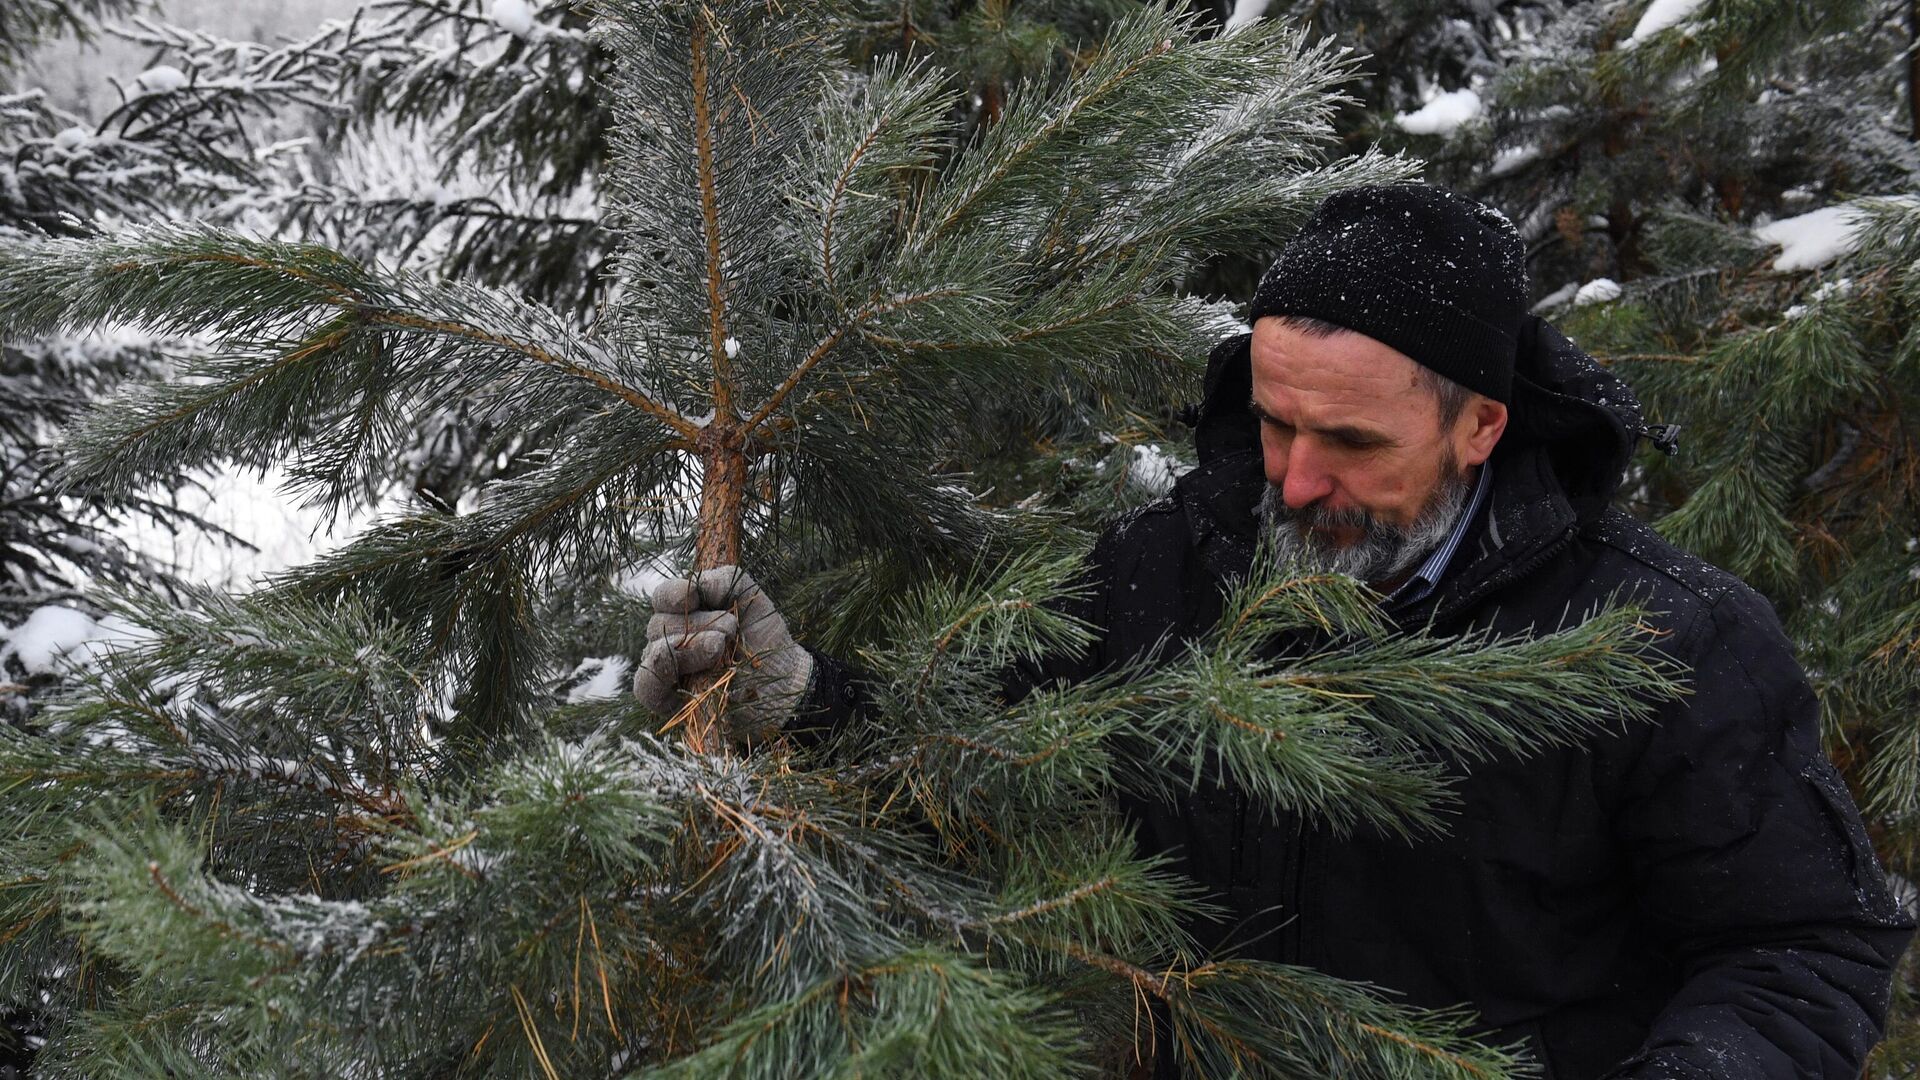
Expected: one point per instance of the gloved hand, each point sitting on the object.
(695, 622)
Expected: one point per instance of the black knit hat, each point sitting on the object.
(1435, 275)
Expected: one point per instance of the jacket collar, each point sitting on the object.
(1528, 516)
(1221, 501)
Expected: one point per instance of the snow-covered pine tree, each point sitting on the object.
(467, 139)
(1412, 51)
(1590, 121)
(1419, 61)
(327, 828)
(1605, 120)
(462, 138)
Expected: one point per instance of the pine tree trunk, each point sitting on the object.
(723, 458)
(723, 490)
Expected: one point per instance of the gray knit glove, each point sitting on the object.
(695, 621)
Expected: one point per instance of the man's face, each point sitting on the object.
(1353, 442)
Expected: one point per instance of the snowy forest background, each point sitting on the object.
(1719, 198)
(254, 527)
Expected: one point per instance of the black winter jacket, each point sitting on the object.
(1690, 899)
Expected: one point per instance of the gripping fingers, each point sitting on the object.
(656, 680)
(699, 652)
(674, 626)
(669, 661)
(696, 623)
(762, 629)
(675, 596)
(757, 614)
(725, 586)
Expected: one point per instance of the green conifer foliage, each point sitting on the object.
(334, 827)
(431, 135)
(509, 106)
(863, 302)
(513, 110)
(1601, 119)
(241, 853)
(995, 44)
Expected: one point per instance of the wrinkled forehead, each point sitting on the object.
(1344, 371)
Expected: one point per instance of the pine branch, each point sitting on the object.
(917, 1012)
(819, 352)
(339, 387)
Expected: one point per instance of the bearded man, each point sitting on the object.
(1693, 899)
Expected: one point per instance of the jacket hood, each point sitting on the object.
(1584, 418)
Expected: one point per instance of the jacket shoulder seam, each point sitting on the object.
(1706, 582)
(1162, 505)
(1115, 534)
(1121, 524)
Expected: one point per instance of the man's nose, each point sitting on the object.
(1307, 480)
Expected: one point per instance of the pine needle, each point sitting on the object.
(533, 1034)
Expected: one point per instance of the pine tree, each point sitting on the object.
(1410, 50)
(468, 139)
(994, 44)
(433, 134)
(1611, 120)
(332, 826)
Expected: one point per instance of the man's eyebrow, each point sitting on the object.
(1262, 415)
(1356, 436)
(1344, 432)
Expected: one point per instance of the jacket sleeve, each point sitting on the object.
(1752, 867)
(834, 697)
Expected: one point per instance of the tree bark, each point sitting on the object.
(723, 490)
(722, 443)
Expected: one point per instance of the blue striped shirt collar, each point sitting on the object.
(1427, 578)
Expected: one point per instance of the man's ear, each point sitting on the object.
(1478, 431)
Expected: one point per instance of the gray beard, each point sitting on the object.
(1384, 551)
